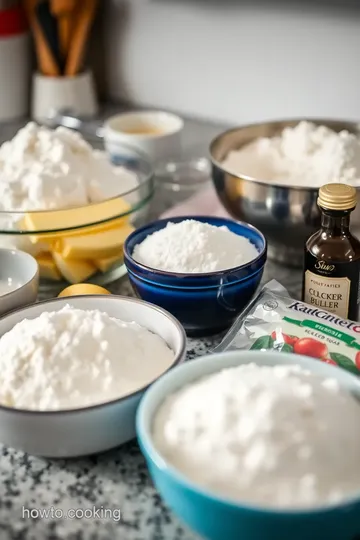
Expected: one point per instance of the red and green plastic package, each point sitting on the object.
(275, 321)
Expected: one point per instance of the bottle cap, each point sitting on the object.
(337, 197)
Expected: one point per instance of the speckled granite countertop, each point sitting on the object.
(116, 480)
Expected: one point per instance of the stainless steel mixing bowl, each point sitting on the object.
(286, 215)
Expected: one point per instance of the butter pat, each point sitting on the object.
(82, 288)
(101, 245)
(104, 264)
(74, 271)
(48, 240)
(47, 267)
(75, 217)
(42, 242)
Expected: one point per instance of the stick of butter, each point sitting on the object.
(48, 240)
(94, 246)
(47, 267)
(75, 217)
(41, 243)
(104, 264)
(74, 271)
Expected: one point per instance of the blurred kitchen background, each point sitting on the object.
(235, 61)
(229, 61)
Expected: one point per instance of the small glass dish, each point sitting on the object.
(130, 208)
(178, 181)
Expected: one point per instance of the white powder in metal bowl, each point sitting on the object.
(277, 436)
(305, 155)
(192, 246)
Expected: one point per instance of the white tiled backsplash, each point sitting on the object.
(234, 61)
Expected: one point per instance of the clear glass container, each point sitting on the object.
(175, 182)
(17, 231)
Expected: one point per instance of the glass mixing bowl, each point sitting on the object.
(42, 233)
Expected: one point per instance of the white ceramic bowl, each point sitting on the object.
(157, 133)
(19, 273)
(79, 432)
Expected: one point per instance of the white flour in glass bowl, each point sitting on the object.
(275, 436)
(45, 169)
(305, 155)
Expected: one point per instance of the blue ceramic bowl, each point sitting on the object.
(203, 303)
(217, 518)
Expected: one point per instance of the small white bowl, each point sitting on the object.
(19, 279)
(156, 133)
(78, 432)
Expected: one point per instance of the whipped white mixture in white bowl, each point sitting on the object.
(75, 358)
(74, 370)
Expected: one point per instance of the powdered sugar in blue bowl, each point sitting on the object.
(204, 277)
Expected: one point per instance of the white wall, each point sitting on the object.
(233, 62)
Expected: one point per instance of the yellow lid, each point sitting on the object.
(337, 197)
(82, 288)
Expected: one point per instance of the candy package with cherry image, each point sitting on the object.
(275, 321)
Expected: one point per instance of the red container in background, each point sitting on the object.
(15, 63)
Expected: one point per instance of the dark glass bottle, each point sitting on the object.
(332, 255)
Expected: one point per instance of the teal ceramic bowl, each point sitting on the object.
(217, 518)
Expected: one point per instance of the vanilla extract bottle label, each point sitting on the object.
(332, 255)
(332, 287)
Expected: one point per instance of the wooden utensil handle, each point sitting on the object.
(82, 26)
(64, 33)
(47, 64)
(46, 61)
(64, 10)
(60, 7)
